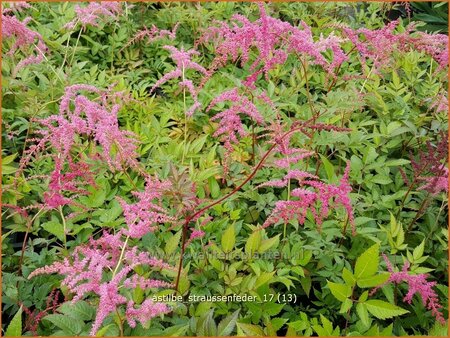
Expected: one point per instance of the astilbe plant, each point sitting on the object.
(146, 214)
(310, 200)
(417, 284)
(105, 267)
(183, 61)
(94, 12)
(25, 39)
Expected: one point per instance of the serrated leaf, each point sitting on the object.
(361, 310)
(346, 305)
(80, 309)
(71, 326)
(266, 244)
(228, 239)
(348, 277)
(373, 281)
(15, 326)
(55, 228)
(172, 243)
(383, 310)
(367, 264)
(253, 243)
(250, 329)
(418, 251)
(264, 278)
(226, 325)
(340, 291)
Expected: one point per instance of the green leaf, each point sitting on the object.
(348, 277)
(346, 305)
(69, 325)
(228, 239)
(250, 330)
(15, 326)
(264, 278)
(340, 291)
(329, 169)
(253, 242)
(214, 187)
(367, 264)
(206, 325)
(373, 281)
(361, 310)
(172, 243)
(266, 244)
(384, 310)
(227, 324)
(418, 251)
(55, 228)
(80, 309)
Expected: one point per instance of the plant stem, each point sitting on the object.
(24, 244)
(63, 219)
(185, 119)
(121, 256)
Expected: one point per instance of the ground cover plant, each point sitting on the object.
(214, 169)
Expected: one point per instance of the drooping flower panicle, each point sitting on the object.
(417, 284)
(109, 256)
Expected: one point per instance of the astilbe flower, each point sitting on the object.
(429, 162)
(92, 119)
(152, 34)
(24, 37)
(417, 284)
(230, 123)
(273, 39)
(310, 200)
(377, 45)
(440, 103)
(103, 267)
(290, 155)
(435, 45)
(94, 12)
(65, 186)
(183, 62)
(143, 216)
(438, 183)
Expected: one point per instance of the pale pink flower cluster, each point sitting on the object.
(290, 155)
(194, 235)
(416, 284)
(94, 119)
(23, 38)
(317, 201)
(438, 183)
(440, 103)
(273, 39)
(153, 34)
(230, 123)
(435, 45)
(183, 62)
(64, 187)
(105, 267)
(143, 216)
(379, 45)
(94, 12)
